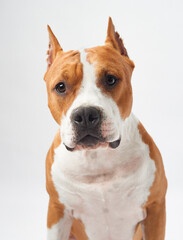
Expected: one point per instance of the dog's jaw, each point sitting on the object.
(112, 145)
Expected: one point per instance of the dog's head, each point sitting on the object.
(89, 91)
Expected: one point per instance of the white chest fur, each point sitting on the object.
(106, 188)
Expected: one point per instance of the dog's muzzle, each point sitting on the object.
(87, 122)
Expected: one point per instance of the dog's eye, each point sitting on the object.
(111, 80)
(60, 87)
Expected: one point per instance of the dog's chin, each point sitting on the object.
(89, 143)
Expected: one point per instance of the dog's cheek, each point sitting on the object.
(56, 107)
(124, 101)
(59, 105)
(67, 131)
(111, 119)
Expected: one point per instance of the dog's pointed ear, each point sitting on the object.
(54, 47)
(113, 39)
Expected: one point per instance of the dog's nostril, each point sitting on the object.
(78, 119)
(92, 118)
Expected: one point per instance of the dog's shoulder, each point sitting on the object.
(49, 161)
(159, 187)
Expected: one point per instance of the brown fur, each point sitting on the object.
(138, 233)
(66, 68)
(54, 47)
(114, 40)
(62, 67)
(55, 209)
(154, 224)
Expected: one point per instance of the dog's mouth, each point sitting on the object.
(93, 142)
(90, 140)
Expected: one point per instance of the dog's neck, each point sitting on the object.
(103, 162)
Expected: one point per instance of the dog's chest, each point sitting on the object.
(109, 210)
(109, 204)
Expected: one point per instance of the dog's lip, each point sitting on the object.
(112, 145)
(90, 140)
(69, 149)
(115, 144)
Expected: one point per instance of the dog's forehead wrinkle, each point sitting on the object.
(89, 93)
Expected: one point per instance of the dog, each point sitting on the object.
(104, 174)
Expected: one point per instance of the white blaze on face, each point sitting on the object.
(90, 95)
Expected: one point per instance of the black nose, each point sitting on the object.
(86, 117)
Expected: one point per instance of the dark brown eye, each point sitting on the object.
(60, 87)
(110, 80)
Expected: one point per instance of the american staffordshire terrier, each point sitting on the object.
(104, 173)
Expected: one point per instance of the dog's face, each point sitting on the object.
(89, 92)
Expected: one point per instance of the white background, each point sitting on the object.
(152, 33)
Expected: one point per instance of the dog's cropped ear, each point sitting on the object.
(113, 39)
(54, 47)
